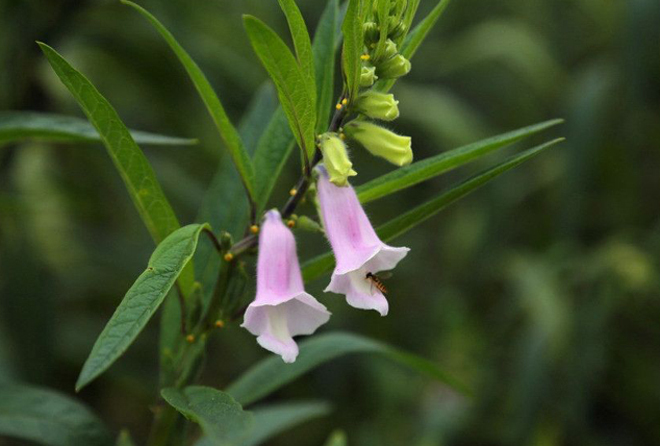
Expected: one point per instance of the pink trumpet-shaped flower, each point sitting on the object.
(358, 250)
(282, 309)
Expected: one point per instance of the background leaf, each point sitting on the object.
(337, 438)
(273, 419)
(271, 373)
(26, 125)
(221, 418)
(49, 418)
(226, 129)
(289, 80)
(425, 169)
(141, 301)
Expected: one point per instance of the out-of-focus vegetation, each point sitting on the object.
(540, 291)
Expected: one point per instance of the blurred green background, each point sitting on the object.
(540, 290)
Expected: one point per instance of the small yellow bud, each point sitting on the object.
(343, 102)
(293, 192)
(338, 106)
(254, 229)
(365, 57)
(229, 257)
(290, 223)
(342, 136)
(190, 338)
(335, 159)
(219, 324)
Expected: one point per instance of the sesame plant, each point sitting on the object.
(201, 274)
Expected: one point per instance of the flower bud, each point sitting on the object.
(381, 142)
(396, 29)
(336, 159)
(393, 68)
(378, 105)
(368, 77)
(390, 50)
(371, 33)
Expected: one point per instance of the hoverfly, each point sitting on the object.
(377, 281)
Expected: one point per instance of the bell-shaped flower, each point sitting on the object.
(335, 158)
(377, 105)
(282, 309)
(381, 142)
(358, 250)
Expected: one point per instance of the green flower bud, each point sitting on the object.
(336, 159)
(307, 224)
(378, 105)
(390, 50)
(397, 28)
(393, 68)
(381, 142)
(368, 77)
(371, 33)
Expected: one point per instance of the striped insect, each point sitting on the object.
(377, 281)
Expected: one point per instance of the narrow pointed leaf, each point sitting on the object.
(323, 263)
(131, 163)
(227, 131)
(271, 373)
(301, 42)
(141, 301)
(353, 46)
(50, 418)
(428, 168)
(277, 141)
(221, 418)
(274, 419)
(324, 48)
(289, 80)
(415, 38)
(16, 126)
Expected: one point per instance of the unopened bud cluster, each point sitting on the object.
(384, 26)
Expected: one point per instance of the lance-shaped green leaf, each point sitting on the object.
(353, 47)
(16, 126)
(301, 42)
(323, 263)
(324, 47)
(415, 38)
(227, 131)
(277, 141)
(274, 419)
(428, 168)
(141, 301)
(131, 163)
(404, 222)
(289, 80)
(50, 418)
(221, 418)
(271, 373)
